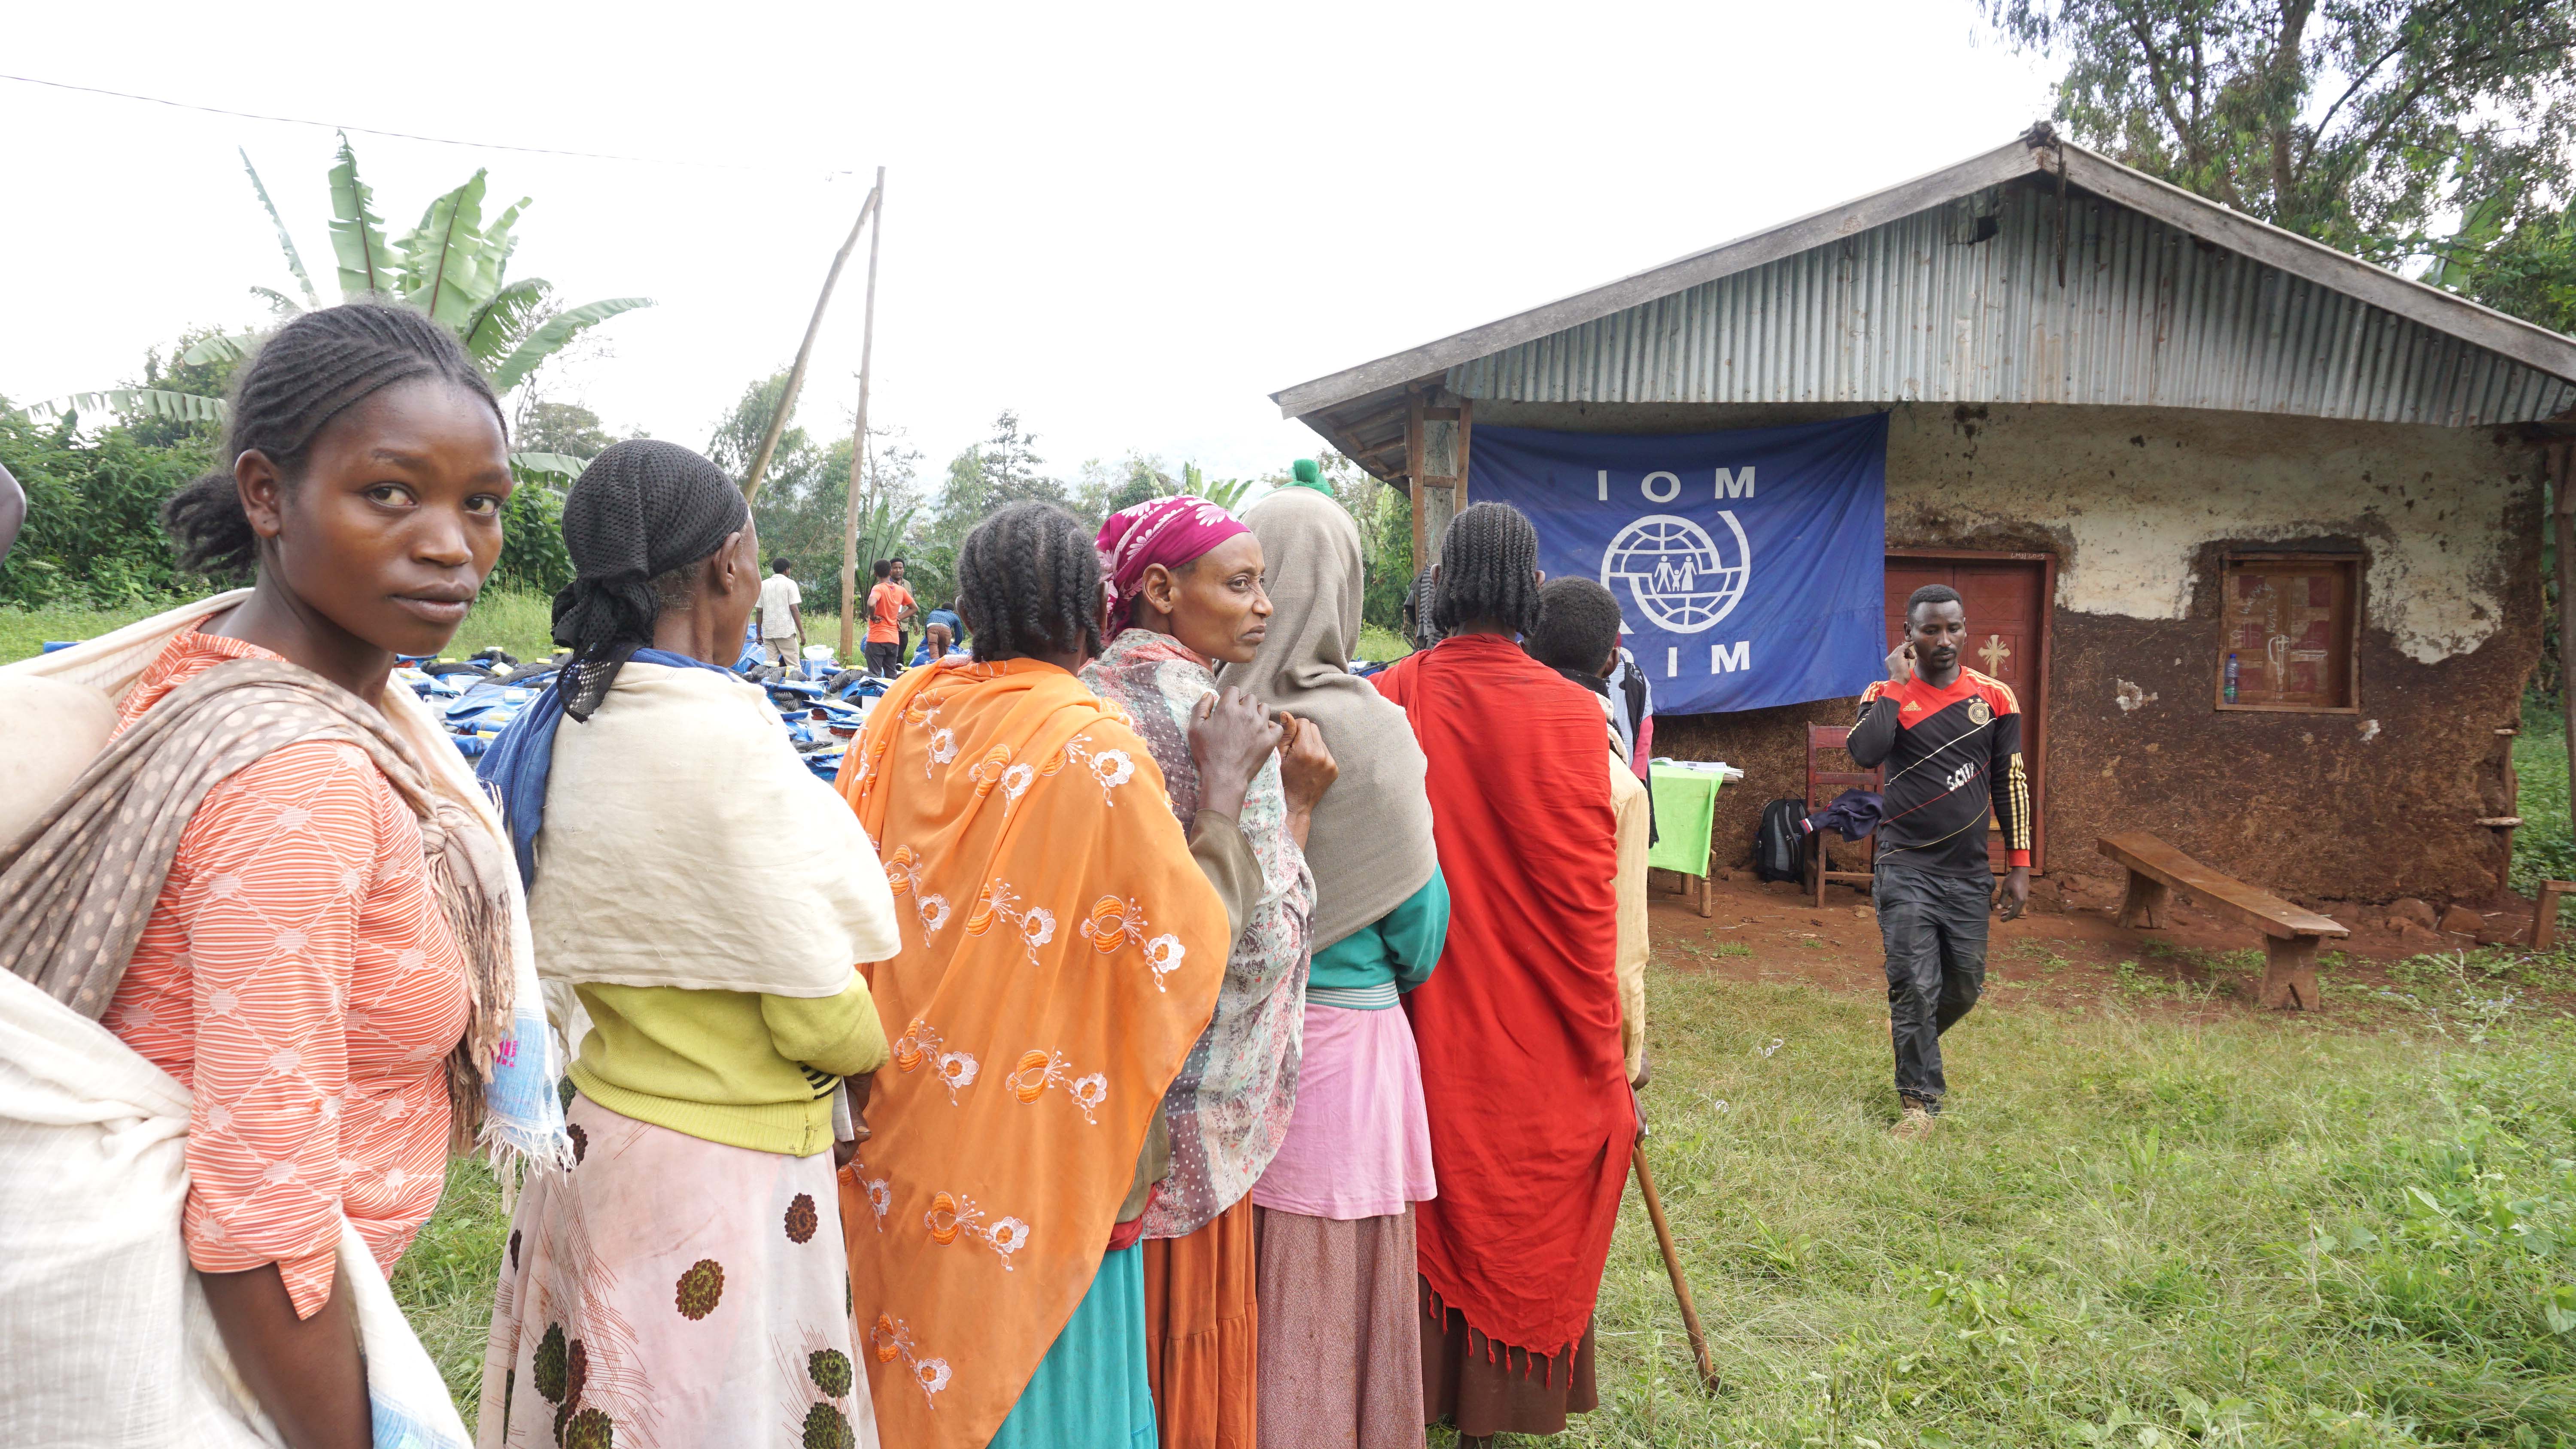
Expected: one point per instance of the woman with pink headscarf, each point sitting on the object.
(1186, 584)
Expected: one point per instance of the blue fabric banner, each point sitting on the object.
(1749, 566)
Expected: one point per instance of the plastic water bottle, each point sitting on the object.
(2231, 679)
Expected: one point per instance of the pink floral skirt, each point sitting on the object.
(669, 1293)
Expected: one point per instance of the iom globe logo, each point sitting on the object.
(1680, 576)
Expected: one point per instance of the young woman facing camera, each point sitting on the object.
(328, 966)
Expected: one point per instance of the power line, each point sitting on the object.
(404, 135)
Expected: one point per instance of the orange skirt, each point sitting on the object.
(1201, 1352)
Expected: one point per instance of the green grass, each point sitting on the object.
(1381, 646)
(520, 623)
(445, 1281)
(28, 631)
(2543, 848)
(2350, 1229)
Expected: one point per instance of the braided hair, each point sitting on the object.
(1488, 570)
(317, 367)
(637, 522)
(1028, 582)
(1418, 628)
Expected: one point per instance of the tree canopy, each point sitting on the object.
(2355, 122)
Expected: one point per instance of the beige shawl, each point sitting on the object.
(1370, 845)
(78, 887)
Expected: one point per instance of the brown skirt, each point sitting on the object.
(1484, 1387)
(1201, 1334)
(1339, 1333)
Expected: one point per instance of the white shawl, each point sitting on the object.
(686, 845)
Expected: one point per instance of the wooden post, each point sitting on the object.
(804, 354)
(2143, 908)
(1423, 542)
(849, 647)
(2563, 520)
(2289, 973)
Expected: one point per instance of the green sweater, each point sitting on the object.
(728, 1066)
(1367, 969)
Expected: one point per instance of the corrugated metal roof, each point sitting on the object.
(1911, 311)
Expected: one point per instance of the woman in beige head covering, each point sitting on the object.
(1340, 1329)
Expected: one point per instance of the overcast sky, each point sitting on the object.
(1130, 223)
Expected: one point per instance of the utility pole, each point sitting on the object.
(859, 444)
(805, 350)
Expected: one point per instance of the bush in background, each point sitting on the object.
(93, 537)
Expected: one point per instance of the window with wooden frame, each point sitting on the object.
(2290, 632)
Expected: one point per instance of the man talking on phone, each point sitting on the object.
(1951, 740)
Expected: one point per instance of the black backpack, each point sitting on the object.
(1776, 840)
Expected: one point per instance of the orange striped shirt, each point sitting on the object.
(298, 976)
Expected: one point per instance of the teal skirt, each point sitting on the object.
(1090, 1391)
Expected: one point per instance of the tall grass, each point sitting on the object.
(2130, 1229)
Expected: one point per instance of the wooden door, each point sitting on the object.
(2007, 602)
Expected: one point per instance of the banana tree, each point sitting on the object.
(451, 267)
(1225, 493)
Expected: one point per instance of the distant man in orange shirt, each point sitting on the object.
(889, 609)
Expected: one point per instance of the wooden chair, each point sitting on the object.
(1822, 786)
(2290, 932)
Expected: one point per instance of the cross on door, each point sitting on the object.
(1994, 651)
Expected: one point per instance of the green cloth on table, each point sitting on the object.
(1369, 968)
(1685, 809)
(735, 1067)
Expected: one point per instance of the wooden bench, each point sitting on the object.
(2290, 932)
(2544, 916)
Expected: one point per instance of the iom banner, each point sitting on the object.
(1749, 566)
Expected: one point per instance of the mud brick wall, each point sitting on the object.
(2139, 506)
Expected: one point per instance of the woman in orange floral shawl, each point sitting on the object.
(1061, 953)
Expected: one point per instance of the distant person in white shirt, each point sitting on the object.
(782, 629)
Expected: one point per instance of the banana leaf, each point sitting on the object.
(144, 402)
(494, 329)
(220, 348)
(548, 465)
(294, 258)
(550, 339)
(357, 234)
(445, 273)
(280, 303)
(509, 301)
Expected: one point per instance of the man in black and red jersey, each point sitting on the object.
(1951, 740)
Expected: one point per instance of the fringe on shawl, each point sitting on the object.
(476, 902)
(1478, 1342)
(479, 919)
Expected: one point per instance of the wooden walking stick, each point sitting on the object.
(1672, 1255)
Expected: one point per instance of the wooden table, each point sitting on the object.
(2290, 932)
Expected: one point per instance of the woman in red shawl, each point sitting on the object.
(1518, 1028)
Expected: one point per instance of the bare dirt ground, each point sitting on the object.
(2066, 950)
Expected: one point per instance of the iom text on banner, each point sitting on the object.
(1749, 566)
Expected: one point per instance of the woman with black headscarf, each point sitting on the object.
(706, 898)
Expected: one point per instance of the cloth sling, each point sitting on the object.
(108, 1329)
(77, 890)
